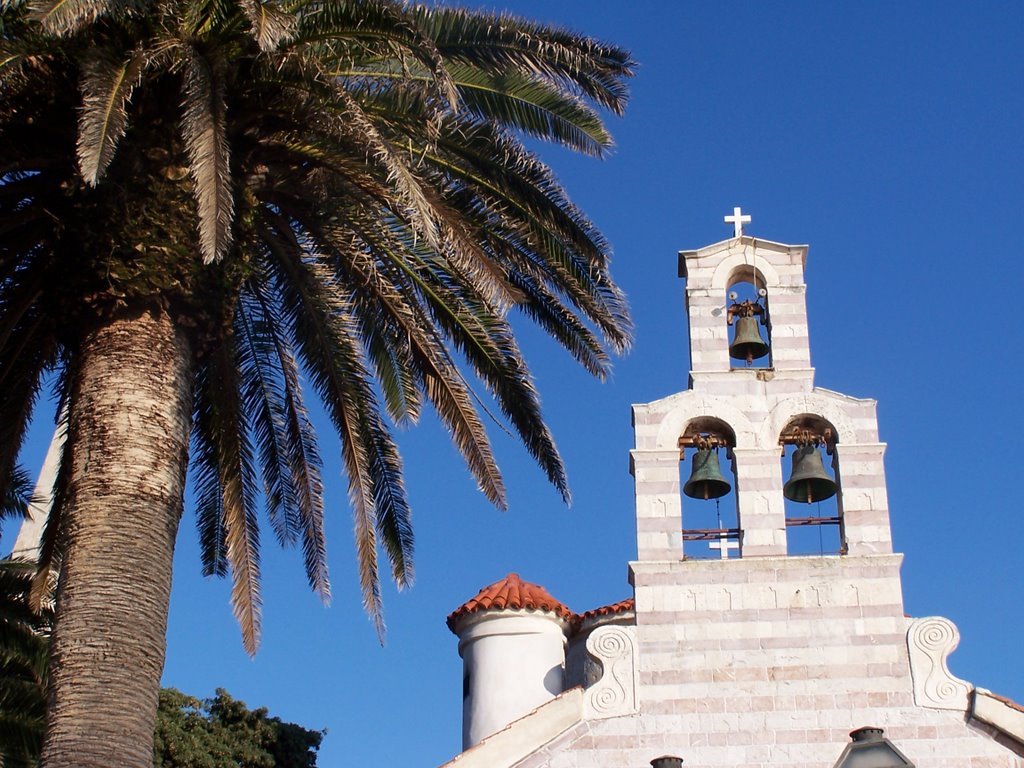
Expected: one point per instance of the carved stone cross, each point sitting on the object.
(738, 219)
(723, 545)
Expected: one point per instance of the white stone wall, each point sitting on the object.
(766, 659)
(772, 662)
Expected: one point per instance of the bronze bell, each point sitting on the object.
(746, 342)
(706, 481)
(809, 481)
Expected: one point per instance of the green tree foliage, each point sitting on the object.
(23, 646)
(222, 733)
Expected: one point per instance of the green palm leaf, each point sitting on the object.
(204, 126)
(107, 86)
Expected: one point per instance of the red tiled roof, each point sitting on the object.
(511, 593)
(622, 606)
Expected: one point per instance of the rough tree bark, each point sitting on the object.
(128, 434)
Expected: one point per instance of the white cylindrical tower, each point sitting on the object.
(512, 638)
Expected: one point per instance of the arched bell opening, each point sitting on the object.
(709, 505)
(748, 319)
(812, 488)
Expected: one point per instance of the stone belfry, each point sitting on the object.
(748, 411)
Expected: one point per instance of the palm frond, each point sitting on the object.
(552, 234)
(303, 454)
(383, 29)
(17, 494)
(238, 486)
(271, 25)
(320, 323)
(107, 85)
(388, 282)
(518, 101)
(204, 127)
(28, 353)
(23, 665)
(564, 326)
(264, 400)
(414, 202)
(533, 106)
(504, 42)
(67, 17)
(489, 346)
(389, 353)
(204, 465)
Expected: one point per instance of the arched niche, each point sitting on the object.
(829, 406)
(710, 517)
(692, 407)
(740, 260)
(748, 319)
(812, 486)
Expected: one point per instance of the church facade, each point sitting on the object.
(771, 653)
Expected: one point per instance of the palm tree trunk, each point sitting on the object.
(128, 435)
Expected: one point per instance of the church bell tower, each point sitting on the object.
(752, 418)
(767, 625)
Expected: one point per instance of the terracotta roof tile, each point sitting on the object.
(622, 606)
(511, 593)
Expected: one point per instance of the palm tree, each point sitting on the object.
(206, 203)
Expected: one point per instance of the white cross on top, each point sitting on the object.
(723, 545)
(738, 219)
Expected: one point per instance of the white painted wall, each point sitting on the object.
(513, 661)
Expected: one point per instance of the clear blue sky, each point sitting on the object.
(888, 137)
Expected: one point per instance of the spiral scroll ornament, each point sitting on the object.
(609, 644)
(930, 640)
(615, 692)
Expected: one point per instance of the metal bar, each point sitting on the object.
(794, 521)
(710, 534)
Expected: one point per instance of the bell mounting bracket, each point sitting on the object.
(803, 436)
(701, 441)
(747, 308)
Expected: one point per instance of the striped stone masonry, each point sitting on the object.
(757, 411)
(658, 503)
(865, 504)
(762, 513)
(710, 273)
(772, 661)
